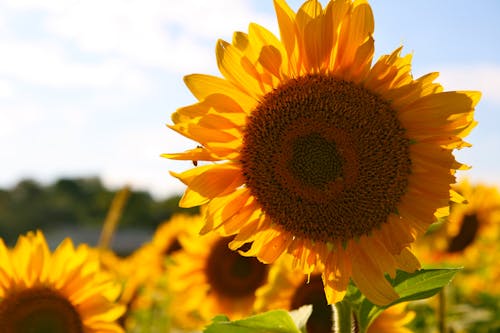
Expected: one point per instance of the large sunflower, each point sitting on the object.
(207, 278)
(318, 153)
(60, 292)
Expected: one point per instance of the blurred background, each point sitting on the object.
(87, 87)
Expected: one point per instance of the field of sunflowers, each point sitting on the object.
(328, 203)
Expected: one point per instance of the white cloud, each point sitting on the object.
(49, 64)
(177, 36)
(6, 89)
(15, 119)
(481, 77)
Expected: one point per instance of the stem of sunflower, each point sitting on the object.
(343, 318)
(442, 311)
(113, 217)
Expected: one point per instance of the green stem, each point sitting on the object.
(442, 311)
(343, 318)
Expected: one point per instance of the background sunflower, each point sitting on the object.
(207, 279)
(64, 291)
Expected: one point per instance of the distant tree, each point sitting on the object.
(77, 202)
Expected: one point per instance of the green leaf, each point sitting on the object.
(277, 321)
(410, 287)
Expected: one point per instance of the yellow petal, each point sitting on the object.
(229, 60)
(201, 86)
(222, 208)
(407, 261)
(196, 154)
(288, 32)
(371, 280)
(208, 183)
(357, 30)
(272, 54)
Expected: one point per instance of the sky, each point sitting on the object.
(88, 86)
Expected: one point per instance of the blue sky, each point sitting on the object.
(86, 87)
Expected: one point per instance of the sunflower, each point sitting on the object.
(144, 288)
(478, 219)
(64, 291)
(393, 320)
(462, 239)
(207, 279)
(469, 224)
(166, 237)
(306, 147)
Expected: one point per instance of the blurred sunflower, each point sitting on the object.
(471, 231)
(478, 219)
(64, 291)
(288, 289)
(135, 282)
(145, 288)
(207, 278)
(166, 237)
(318, 153)
(393, 320)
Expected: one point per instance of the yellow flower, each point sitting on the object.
(64, 291)
(469, 224)
(166, 237)
(315, 152)
(142, 272)
(207, 279)
(468, 237)
(479, 218)
(393, 320)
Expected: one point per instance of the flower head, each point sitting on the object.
(207, 278)
(64, 291)
(315, 151)
(468, 237)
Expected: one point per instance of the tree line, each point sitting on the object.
(30, 205)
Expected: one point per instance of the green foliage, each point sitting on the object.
(277, 321)
(76, 202)
(418, 285)
(479, 313)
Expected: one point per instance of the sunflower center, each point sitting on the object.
(338, 152)
(233, 275)
(466, 235)
(314, 161)
(321, 318)
(39, 310)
